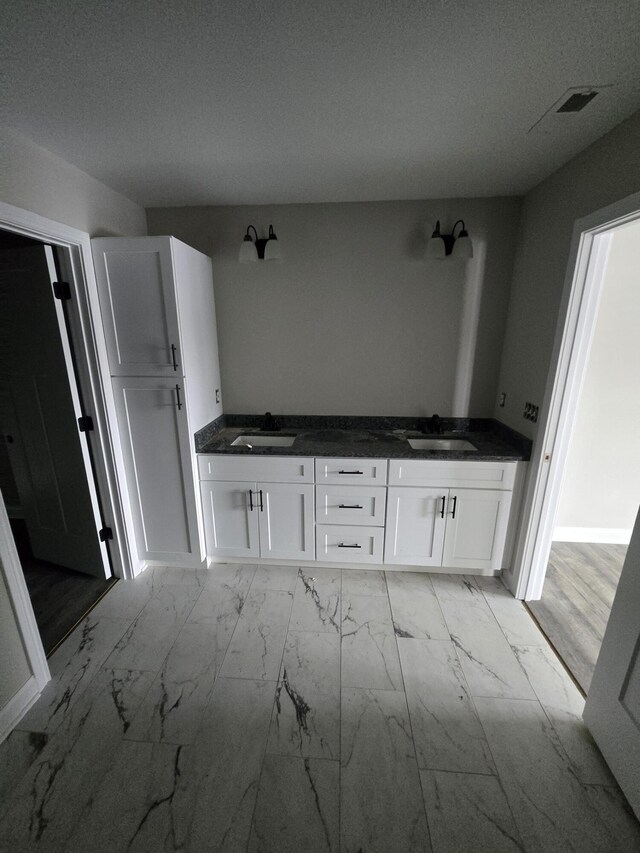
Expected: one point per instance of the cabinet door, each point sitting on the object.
(477, 522)
(156, 446)
(137, 296)
(286, 521)
(415, 526)
(231, 513)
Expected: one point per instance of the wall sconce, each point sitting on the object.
(260, 248)
(441, 245)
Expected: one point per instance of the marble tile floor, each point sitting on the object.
(276, 709)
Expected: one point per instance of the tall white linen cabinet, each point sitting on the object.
(158, 313)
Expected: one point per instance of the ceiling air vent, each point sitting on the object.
(573, 101)
(576, 102)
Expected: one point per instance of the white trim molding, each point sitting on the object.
(20, 602)
(16, 708)
(574, 332)
(603, 535)
(93, 369)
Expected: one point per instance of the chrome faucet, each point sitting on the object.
(269, 424)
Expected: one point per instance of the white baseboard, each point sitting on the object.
(16, 708)
(605, 535)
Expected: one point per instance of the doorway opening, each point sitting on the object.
(47, 472)
(585, 489)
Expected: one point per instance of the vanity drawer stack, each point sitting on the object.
(351, 499)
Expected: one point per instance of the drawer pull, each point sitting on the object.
(173, 356)
(342, 545)
(178, 403)
(349, 506)
(350, 472)
(444, 501)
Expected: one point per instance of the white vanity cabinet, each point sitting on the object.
(367, 512)
(270, 518)
(158, 314)
(350, 510)
(444, 520)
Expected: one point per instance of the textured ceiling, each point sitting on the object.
(251, 101)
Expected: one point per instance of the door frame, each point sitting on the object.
(577, 316)
(92, 366)
(11, 571)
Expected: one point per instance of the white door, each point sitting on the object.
(477, 521)
(286, 519)
(156, 445)
(415, 526)
(230, 513)
(40, 405)
(612, 710)
(138, 305)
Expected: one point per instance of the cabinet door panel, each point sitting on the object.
(475, 536)
(452, 474)
(267, 469)
(230, 525)
(156, 445)
(286, 521)
(138, 305)
(415, 527)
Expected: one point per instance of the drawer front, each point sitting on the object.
(351, 505)
(252, 469)
(460, 474)
(349, 544)
(352, 471)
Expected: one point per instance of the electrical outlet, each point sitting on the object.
(502, 400)
(217, 395)
(530, 412)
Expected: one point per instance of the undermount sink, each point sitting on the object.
(440, 444)
(263, 441)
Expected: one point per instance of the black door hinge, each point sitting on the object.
(105, 533)
(61, 290)
(85, 423)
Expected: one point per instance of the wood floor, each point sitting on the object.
(60, 597)
(576, 601)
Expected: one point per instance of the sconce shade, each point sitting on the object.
(248, 250)
(463, 247)
(436, 248)
(272, 249)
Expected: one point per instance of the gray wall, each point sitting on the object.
(39, 181)
(354, 321)
(601, 488)
(606, 171)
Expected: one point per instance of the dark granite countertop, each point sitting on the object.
(364, 438)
